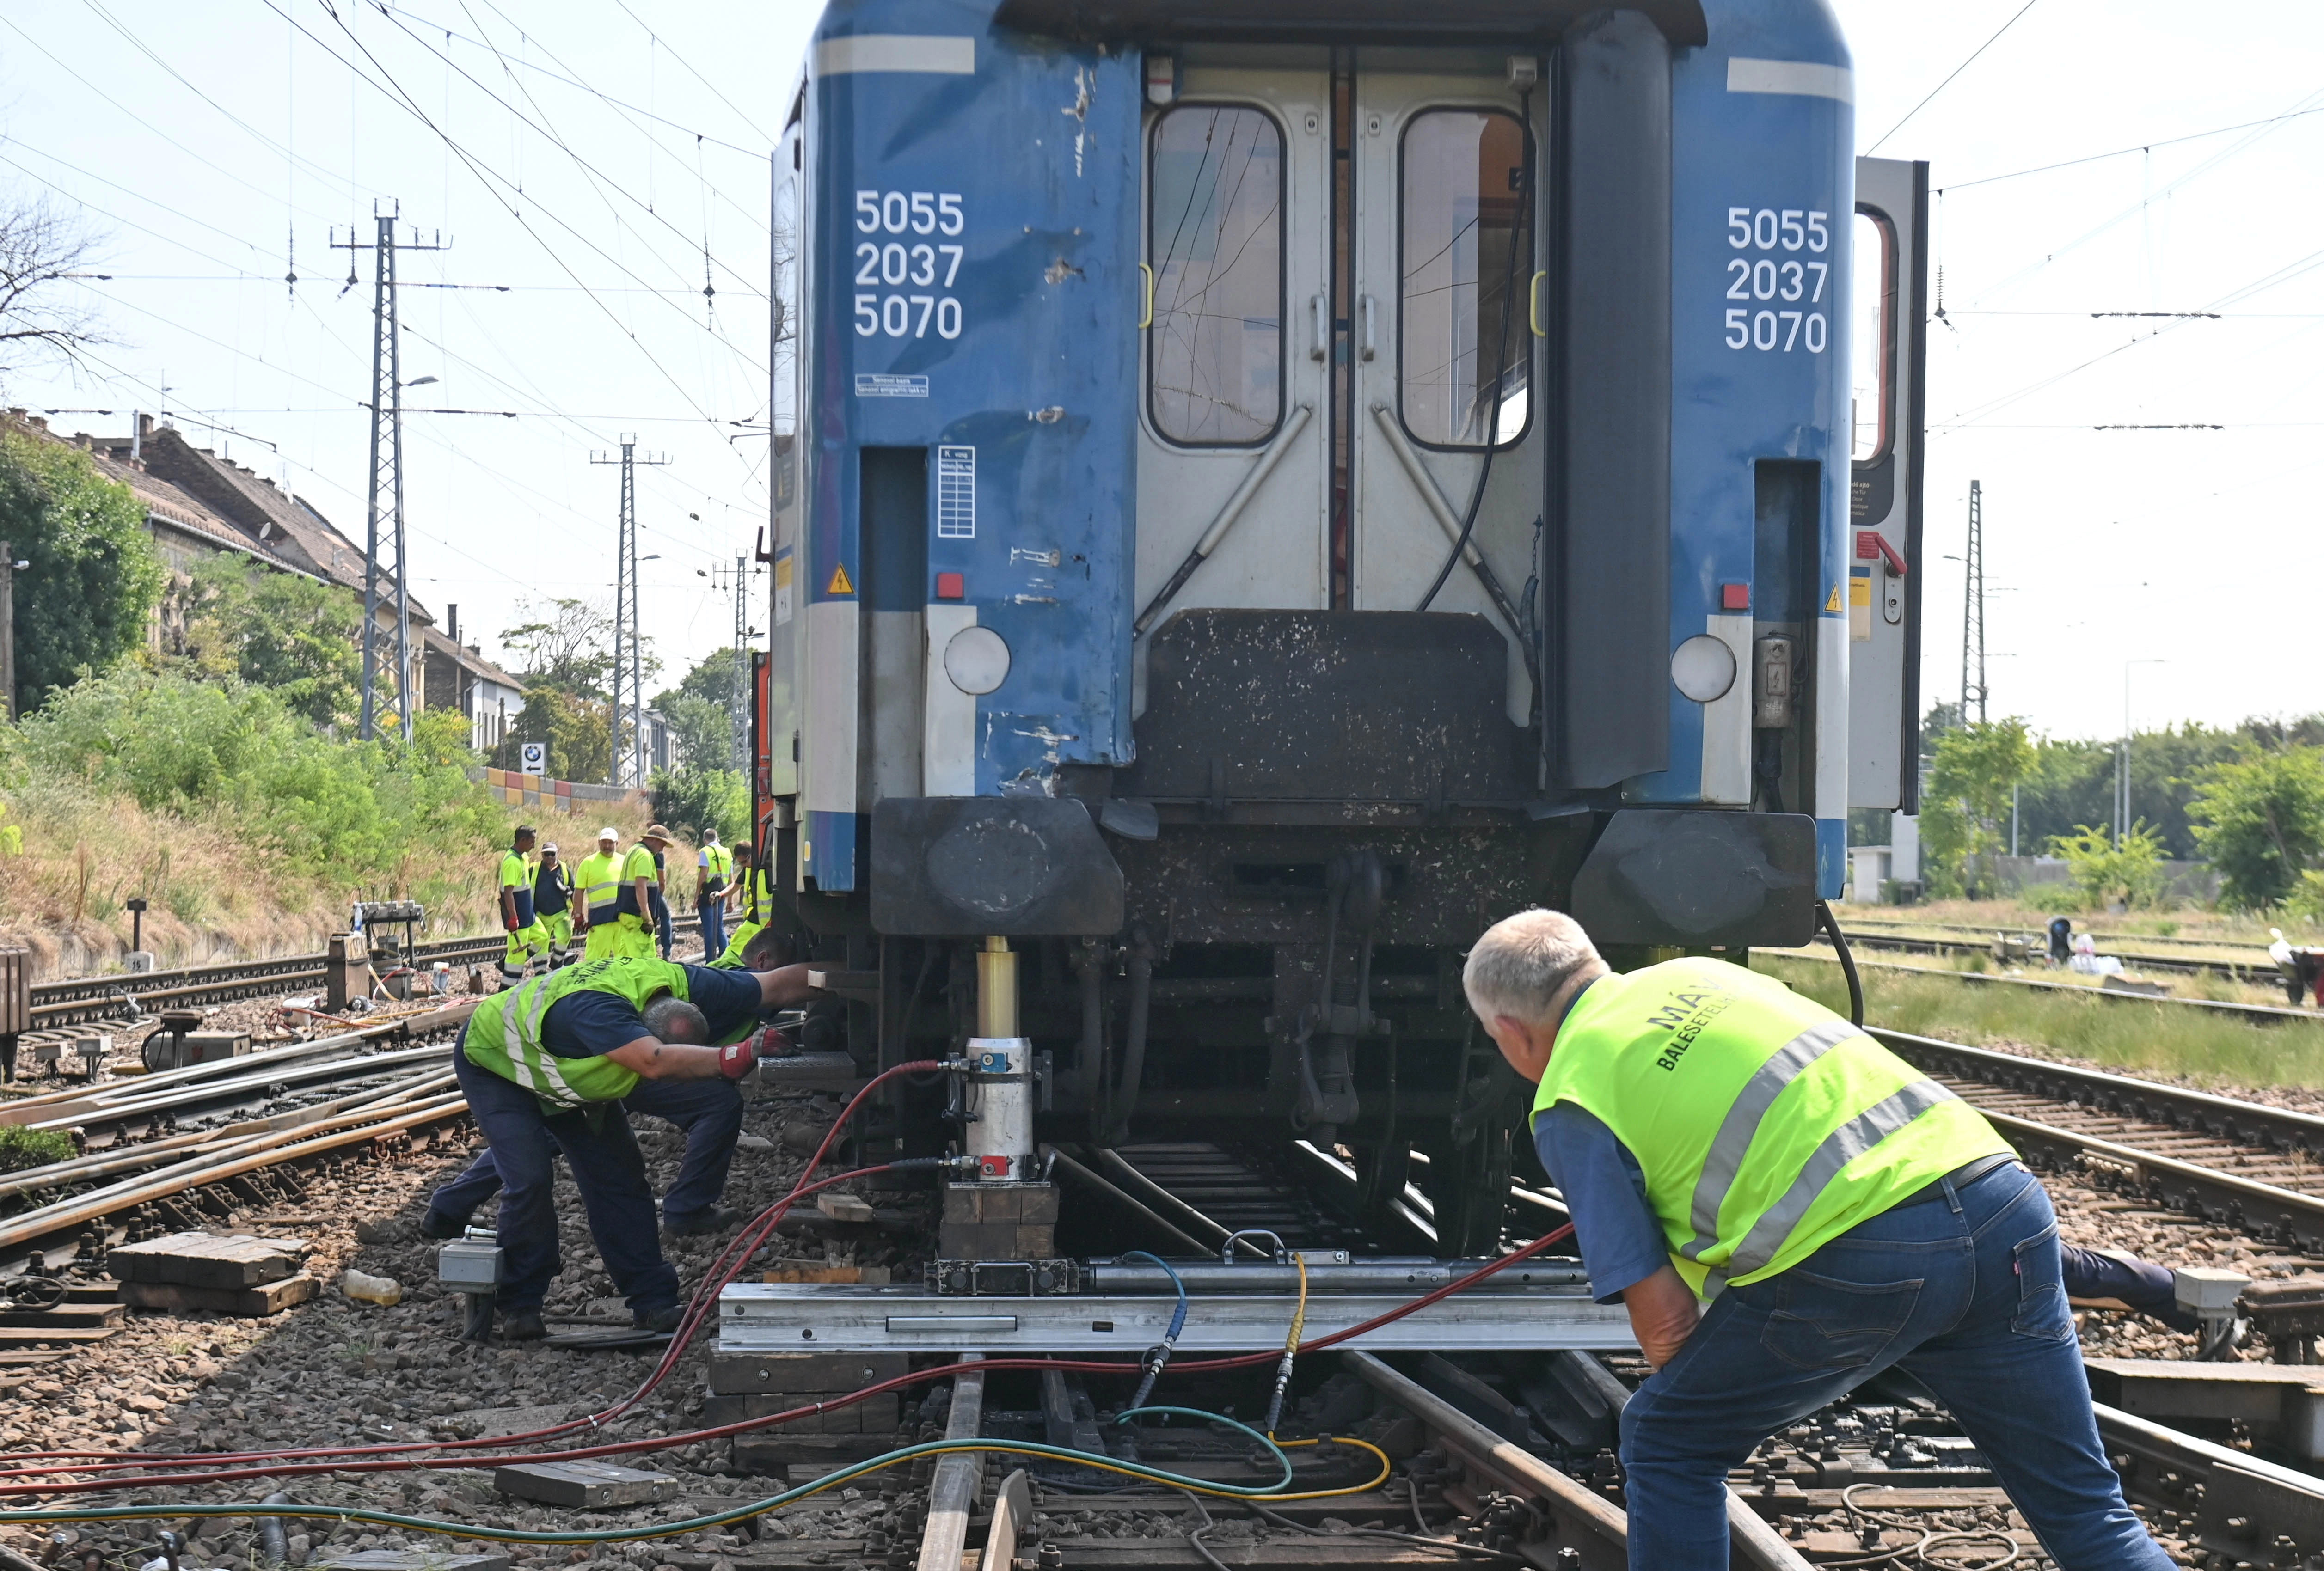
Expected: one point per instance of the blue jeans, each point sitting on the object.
(1962, 1292)
(608, 1169)
(664, 932)
(713, 927)
(709, 1112)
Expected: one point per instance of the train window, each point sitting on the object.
(1464, 283)
(1872, 336)
(1214, 350)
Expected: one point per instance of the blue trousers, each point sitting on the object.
(607, 1167)
(666, 932)
(709, 1112)
(1964, 1293)
(713, 927)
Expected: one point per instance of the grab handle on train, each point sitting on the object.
(1322, 344)
(1147, 320)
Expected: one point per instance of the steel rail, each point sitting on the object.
(258, 1151)
(1594, 1528)
(81, 999)
(1875, 938)
(2224, 1117)
(2247, 1503)
(230, 1089)
(104, 1164)
(2259, 1013)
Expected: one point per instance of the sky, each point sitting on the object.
(592, 166)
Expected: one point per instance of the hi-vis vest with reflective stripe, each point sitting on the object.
(595, 880)
(516, 878)
(718, 862)
(504, 1035)
(1765, 1124)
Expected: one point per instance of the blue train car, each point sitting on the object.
(1265, 487)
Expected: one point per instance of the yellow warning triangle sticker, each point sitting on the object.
(839, 584)
(1831, 605)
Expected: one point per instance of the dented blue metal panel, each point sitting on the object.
(975, 288)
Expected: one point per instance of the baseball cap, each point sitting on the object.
(550, 849)
(609, 833)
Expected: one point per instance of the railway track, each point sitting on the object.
(85, 1000)
(2258, 968)
(2256, 1014)
(186, 1147)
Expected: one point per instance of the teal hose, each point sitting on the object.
(695, 1524)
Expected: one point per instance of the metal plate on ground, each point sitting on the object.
(804, 1316)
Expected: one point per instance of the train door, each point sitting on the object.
(1444, 326)
(1232, 481)
(1888, 337)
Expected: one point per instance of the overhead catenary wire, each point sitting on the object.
(1956, 71)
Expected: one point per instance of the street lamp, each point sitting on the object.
(2122, 794)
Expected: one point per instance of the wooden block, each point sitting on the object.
(862, 1275)
(996, 1241)
(745, 1373)
(586, 1484)
(81, 1317)
(15, 1337)
(1000, 1202)
(875, 1415)
(207, 1260)
(841, 1206)
(271, 1298)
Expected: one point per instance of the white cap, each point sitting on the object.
(550, 849)
(609, 833)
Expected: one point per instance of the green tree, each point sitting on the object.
(2105, 872)
(700, 708)
(1965, 809)
(692, 801)
(292, 633)
(93, 577)
(2260, 820)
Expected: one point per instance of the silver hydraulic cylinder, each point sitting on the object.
(999, 1134)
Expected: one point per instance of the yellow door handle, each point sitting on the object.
(1148, 320)
(1532, 304)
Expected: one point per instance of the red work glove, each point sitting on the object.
(510, 923)
(737, 1059)
(772, 1043)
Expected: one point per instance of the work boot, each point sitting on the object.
(665, 1319)
(432, 1226)
(523, 1326)
(716, 1219)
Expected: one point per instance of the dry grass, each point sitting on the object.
(212, 896)
(2210, 1048)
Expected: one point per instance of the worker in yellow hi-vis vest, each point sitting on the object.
(597, 888)
(527, 941)
(1787, 1209)
(633, 921)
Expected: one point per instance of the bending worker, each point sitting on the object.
(552, 905)
(545, 1068)
(527, 941)
(598, 883)
(708, 1113)
(1719, 1138)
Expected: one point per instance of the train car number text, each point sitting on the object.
(906, 264)
(1791, 287)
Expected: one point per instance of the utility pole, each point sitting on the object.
(8, 627)
(385, 492)
(627, 640)
(1973, 607)
(740, 711)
